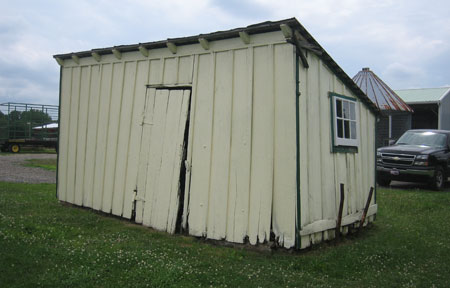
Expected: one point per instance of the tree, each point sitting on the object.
(20, 123)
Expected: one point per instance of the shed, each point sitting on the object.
(243, 135)
(395, 116)
(431, 107)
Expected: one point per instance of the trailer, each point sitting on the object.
(28, 125)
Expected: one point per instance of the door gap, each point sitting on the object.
(182, 178)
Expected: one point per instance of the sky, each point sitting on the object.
(406, 43)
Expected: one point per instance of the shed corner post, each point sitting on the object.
(297, 126)
(57, 139)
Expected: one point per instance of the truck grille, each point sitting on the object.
(398, 159)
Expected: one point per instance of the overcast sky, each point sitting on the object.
(406, 43)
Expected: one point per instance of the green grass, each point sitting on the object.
(45, 243)
(48, 164)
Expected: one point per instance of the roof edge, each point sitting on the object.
(263, 27)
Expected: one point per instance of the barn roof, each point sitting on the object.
(379, 92)
(303, 41)
(424, 95)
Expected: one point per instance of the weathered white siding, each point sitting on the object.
(321, 170)
(238, 188)
(241, 149)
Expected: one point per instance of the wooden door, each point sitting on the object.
(161, 156)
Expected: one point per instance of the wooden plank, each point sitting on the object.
(352, 218)
(188, 162)
(304, 156)
(185, 70)
(146, 123)
(327, 224)
(220, 155)
(73, 132)
(341, 161)
(81, 135)
(314, 124)
(262, 146)
(360, 165)
(364, 145)
(64, 122)
(124, 138)
(170, 71)
(113, 132)
(318, 226)
(201, 150)
(156, 75)
(314, 120)
(327, 164)
(91, 136)
(134, 146)
(103, 116)
(239, 184)
(180, 147)
(155, 155)
(285, 149)
(162, 192)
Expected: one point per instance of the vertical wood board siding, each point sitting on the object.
(322, 171)
(242, 147)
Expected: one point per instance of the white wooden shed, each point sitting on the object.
(243, 135)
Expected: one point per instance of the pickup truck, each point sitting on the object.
(417, 156)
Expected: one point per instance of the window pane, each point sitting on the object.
(347, 129)
(339, 108)
(346, 110)
(353, 129)
(339, 128)
(352, 111)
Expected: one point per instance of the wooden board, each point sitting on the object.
(81, 134)
(124, 139)
(92, 124)
(262, 146)
(112, 138)
(64, 122)
(220, 155)
(100, 154)
(162, 157)
(240, 154)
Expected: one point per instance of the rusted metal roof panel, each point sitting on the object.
(379, 92)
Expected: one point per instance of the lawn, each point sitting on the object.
(47, 164)
(45, 243)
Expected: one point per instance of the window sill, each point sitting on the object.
(344, 149)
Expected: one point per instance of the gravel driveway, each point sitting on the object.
(12, 169)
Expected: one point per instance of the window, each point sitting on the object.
(345, 120)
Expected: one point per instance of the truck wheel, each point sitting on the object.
(383, 181)
(14, 148)
(438, 180)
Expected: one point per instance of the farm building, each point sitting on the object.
(431, 107)
(245, 135)
(395, 116)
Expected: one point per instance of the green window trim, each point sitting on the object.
(353, 144)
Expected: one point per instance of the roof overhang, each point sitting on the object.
(300, 38)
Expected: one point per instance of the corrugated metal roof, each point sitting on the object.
(309, 43)
(424, 95)
(379, 92)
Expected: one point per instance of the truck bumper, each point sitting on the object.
(405, 174)
(395, 171)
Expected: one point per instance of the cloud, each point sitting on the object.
(407, 42)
